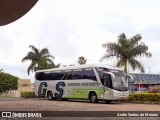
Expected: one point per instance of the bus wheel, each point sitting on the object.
(50, 95)
(93, 97)
(108, 101)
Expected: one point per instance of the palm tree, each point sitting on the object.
(126, 51)
(46, 65)
(40, 59)
(82, 60)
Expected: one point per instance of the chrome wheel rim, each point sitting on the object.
(93, 98)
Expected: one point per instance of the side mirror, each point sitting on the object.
(129, 77)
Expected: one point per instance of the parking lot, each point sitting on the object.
(39, 104)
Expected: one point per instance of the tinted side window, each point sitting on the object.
(88, 73)
(69, 75)
(39, 75)
(105, 79)
(64, 74)
(74, 74)
(77, 74)
(57, 75)
(47, 76)
(100, 72)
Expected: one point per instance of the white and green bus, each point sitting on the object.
(94, 82)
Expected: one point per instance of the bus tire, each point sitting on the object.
(108, 101)
(50, 95)
(93, 97)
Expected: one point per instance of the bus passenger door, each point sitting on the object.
(107, 86)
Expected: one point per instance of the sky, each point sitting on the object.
(74, 28)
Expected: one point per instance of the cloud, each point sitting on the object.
(152, 33)
(6, 44)
(118, 24)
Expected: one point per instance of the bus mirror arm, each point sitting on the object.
(130, 77)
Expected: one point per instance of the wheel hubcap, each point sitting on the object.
(93, 98)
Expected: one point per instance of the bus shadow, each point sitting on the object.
(87, 101)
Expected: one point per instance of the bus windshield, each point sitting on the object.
(120, 83)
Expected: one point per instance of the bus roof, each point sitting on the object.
(81, 66)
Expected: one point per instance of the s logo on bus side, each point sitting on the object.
(59, 89)
(43, 89)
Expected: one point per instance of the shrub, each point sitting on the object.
(6, 94)
(28, 94)
(144, 97)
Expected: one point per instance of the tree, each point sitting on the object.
(44, 65)
(40, 59)
(82, 60)
(8, 82)
(126, 51)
